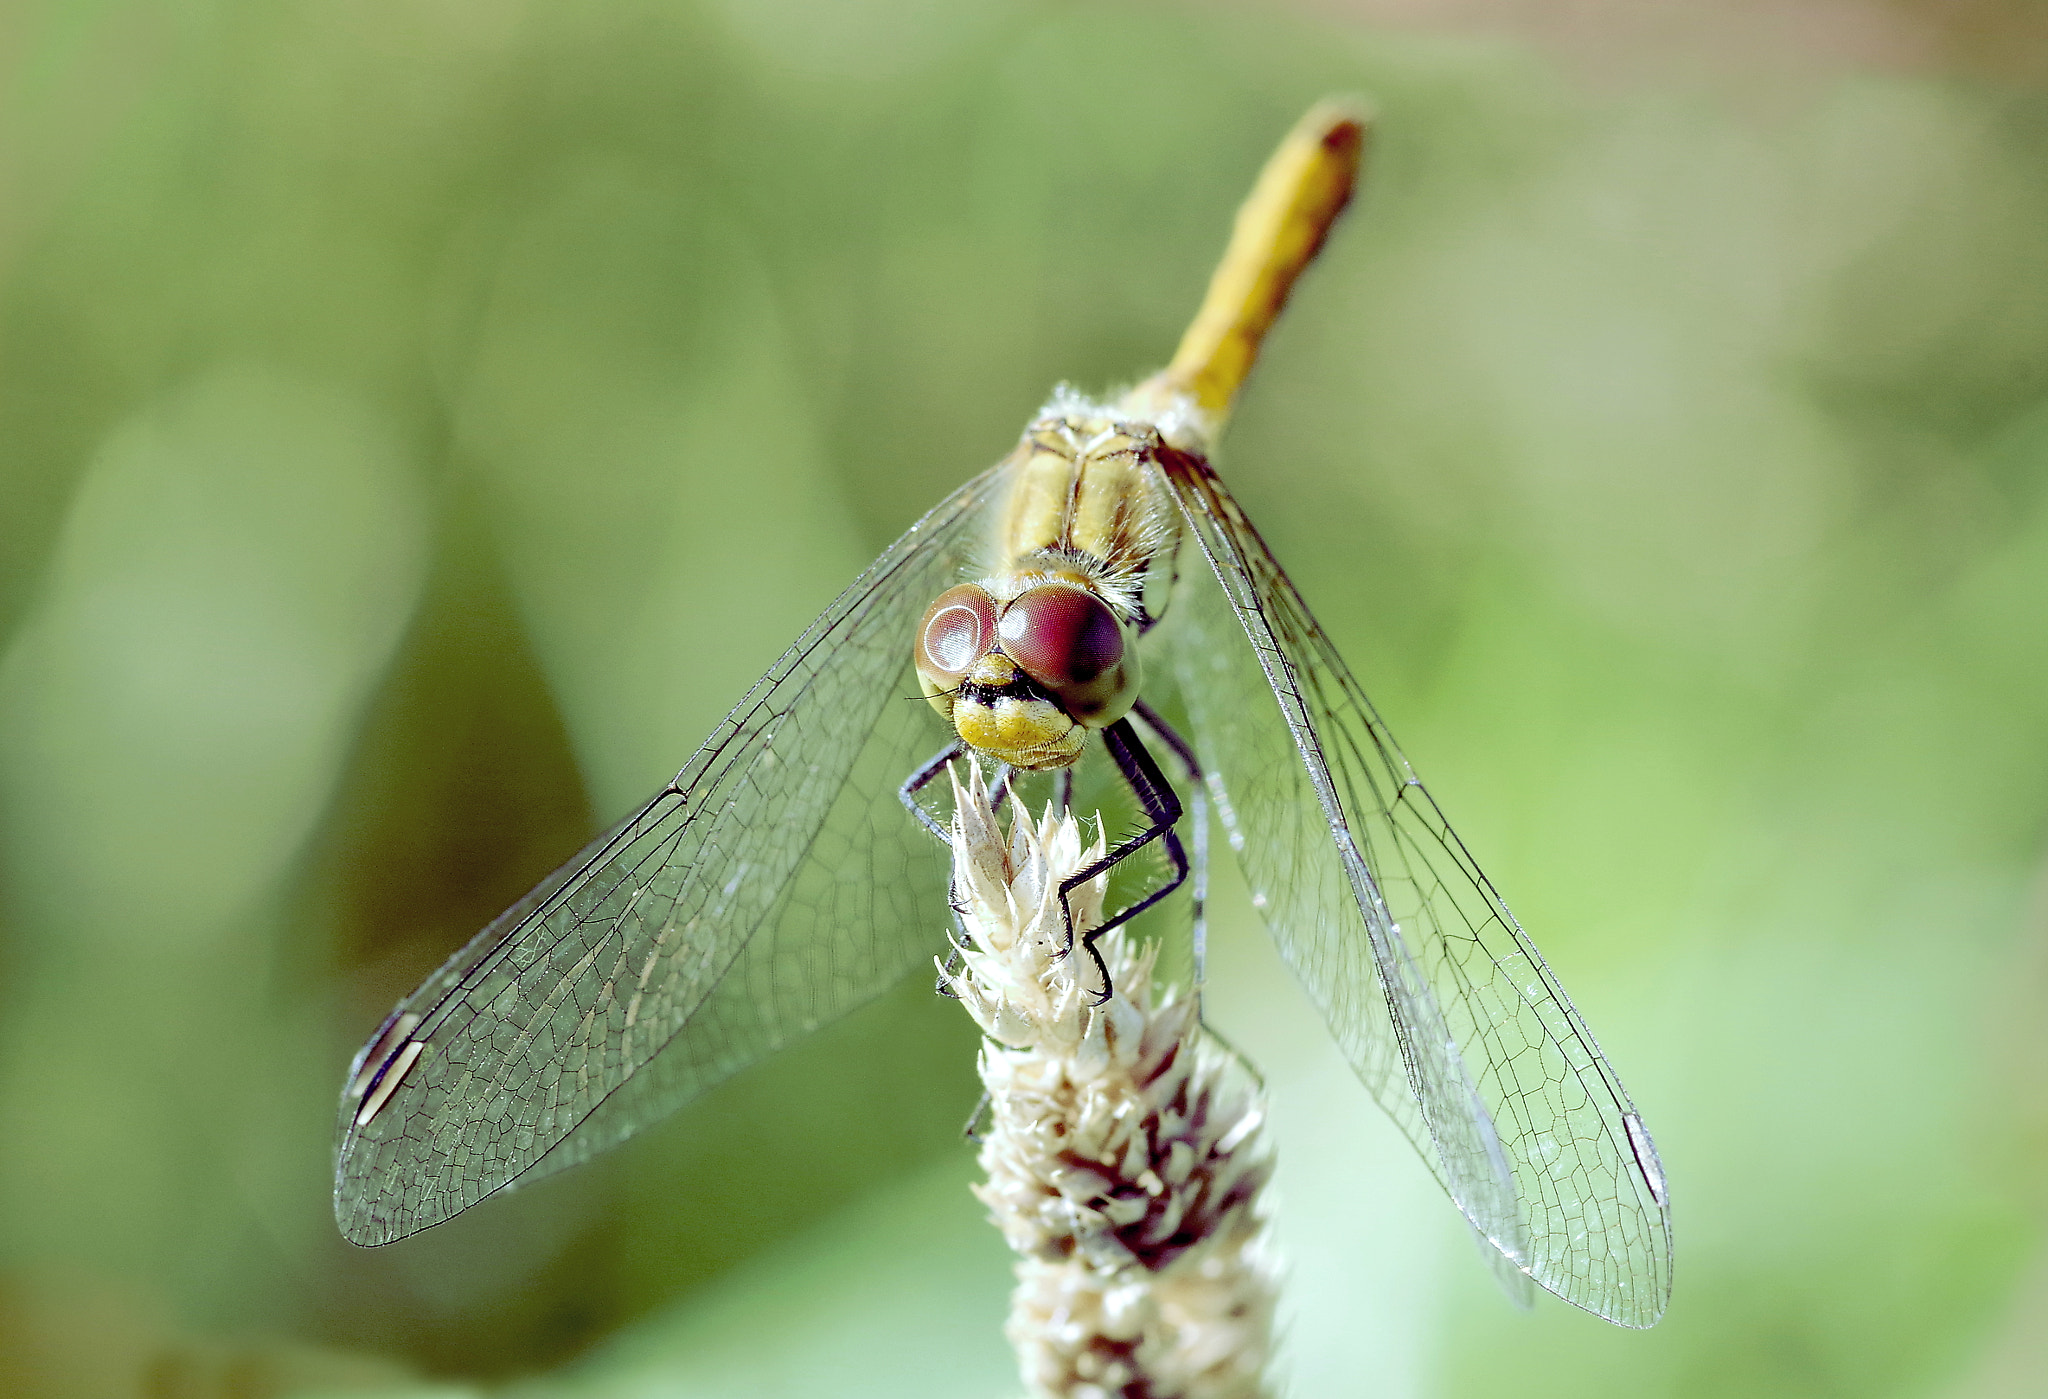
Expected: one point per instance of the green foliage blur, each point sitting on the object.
(420, 419)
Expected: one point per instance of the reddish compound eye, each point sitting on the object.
(957, 631)
(1069, 641)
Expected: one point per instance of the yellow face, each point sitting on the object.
(1024, 680)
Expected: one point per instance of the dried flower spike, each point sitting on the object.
(1123, 1150)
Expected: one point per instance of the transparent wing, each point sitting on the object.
(774, 885)
(1443, 1006)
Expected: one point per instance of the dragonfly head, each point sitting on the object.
(1024, 679)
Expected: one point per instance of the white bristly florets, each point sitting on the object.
(1123, 1150)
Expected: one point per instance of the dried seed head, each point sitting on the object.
(1123, 1155)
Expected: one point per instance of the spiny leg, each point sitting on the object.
(1162, 809)
(971, 1128)
(926, 774)
(1198, 803)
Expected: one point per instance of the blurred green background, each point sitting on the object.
(420, 419)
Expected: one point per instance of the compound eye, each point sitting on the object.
(1062, 637)
(957, 631)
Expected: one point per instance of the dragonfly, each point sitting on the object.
(1094, 594)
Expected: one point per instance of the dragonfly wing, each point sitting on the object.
(773, 885)
(1436, 996)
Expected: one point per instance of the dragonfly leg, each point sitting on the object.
(1162, 809)
(971, 1129)
(927, 774)
(956, 945)
(1198, 803)
(999, 790)
(1198, 836)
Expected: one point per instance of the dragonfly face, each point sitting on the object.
(1024, 680)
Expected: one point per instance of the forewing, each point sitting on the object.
(1439, 1000)
(774, 885)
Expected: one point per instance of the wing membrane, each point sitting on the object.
(1441, 1003)
(755, 898)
